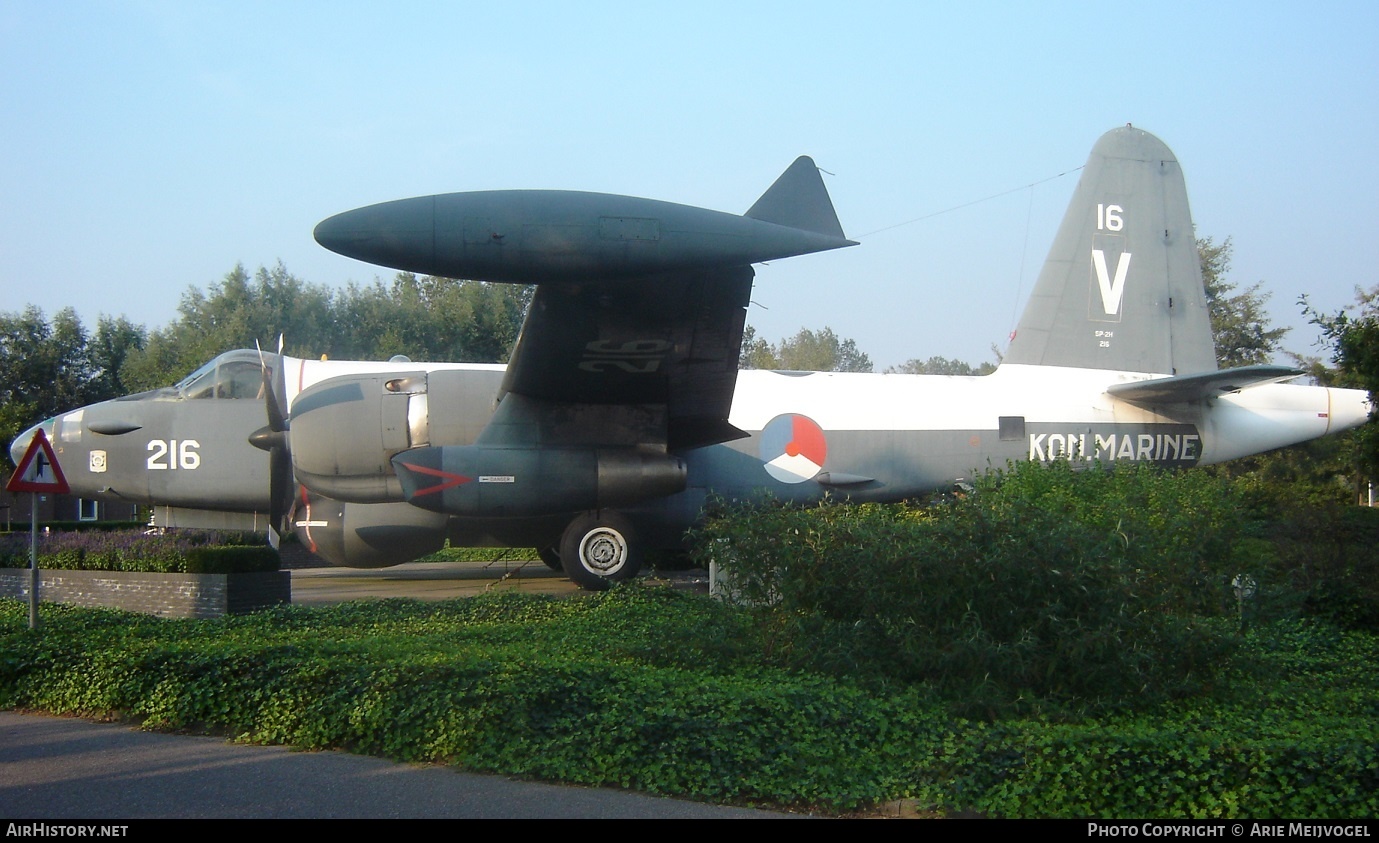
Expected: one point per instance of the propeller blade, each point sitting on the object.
(281, 486)
(275, 439)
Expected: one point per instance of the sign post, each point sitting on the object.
(38, 473)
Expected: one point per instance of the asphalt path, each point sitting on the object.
(449, 580)
(55, 768)
(425, 581)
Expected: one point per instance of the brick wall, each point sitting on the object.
(165, 595)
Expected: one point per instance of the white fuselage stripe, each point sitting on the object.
(1233, 425)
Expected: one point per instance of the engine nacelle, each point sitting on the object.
(368, 535)
(345, 430)
(478, 480)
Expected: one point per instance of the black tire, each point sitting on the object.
(599, 549)
(550, 555)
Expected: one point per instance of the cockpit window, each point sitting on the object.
(232, 375)
(199, 384)
(239, 379)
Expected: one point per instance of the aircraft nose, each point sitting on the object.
(21, 444)
(400, 234)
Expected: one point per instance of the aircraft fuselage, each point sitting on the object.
(863, 437)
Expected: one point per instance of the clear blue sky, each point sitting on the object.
(150, 146)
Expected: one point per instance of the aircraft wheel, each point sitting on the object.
(550, 554)
(598, 549)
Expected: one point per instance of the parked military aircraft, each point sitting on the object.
(622, 408)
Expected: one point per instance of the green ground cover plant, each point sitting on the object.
(481, 554)
(1058, 643)
(670, 693)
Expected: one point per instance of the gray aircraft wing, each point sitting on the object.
(671, 340)
(633, 334)
(1185, 388)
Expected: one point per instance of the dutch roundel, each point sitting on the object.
(793, 448)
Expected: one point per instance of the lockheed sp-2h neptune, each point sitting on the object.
(622, 408)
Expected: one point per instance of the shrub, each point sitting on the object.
(1048, 589)
(194, 552)
(231, 559)
(1327, 554)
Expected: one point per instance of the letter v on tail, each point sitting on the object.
(1111, 291)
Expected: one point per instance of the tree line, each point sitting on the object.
(49, 366)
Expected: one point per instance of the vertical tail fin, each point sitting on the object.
(798, 199)
(1121, 288)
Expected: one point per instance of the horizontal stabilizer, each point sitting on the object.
(1184, 388)
(799, 199)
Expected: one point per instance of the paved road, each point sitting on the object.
(55, 768)
(447, 580)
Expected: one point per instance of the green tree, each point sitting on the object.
(807, 351)
(116, 338)
(1354, 337)
(426, 318)
(756, 352)
(234, 313)
(1315, 472)
(431, 318)
(1239, 323)
(45, 368)
(941, 366)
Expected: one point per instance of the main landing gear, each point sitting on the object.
(598, 549)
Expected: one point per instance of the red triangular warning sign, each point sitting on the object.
(39, 471)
